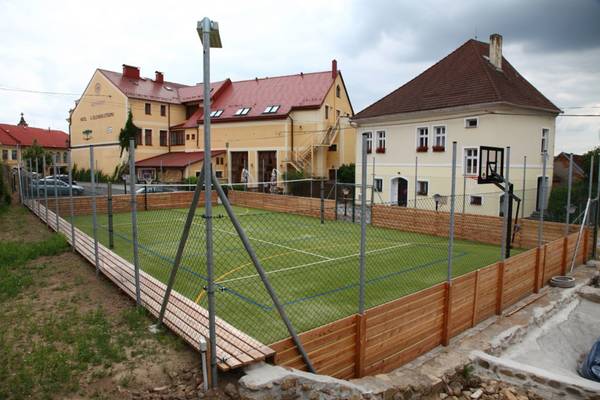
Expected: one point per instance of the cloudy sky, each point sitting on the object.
(55, 46)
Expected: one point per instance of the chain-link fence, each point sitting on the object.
(299, 253)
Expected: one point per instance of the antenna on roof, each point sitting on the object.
(475, 32)
(302, 74)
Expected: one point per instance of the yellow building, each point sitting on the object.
(298, 122)
(16, 138)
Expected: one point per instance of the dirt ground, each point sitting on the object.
(69, 334)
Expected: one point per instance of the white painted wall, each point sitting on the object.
(501, 127)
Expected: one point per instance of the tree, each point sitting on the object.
(128, 132)
(36, 152)
(346, 173)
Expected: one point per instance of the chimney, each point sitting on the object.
(334, 70)
(496, 50)
(131, 72)
(159, 77)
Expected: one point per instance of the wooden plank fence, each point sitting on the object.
(392, 334)
(184, 317)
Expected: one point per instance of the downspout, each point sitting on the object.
(292, 135)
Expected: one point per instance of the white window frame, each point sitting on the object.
(242, 111)
(420, 137)
(375, 189)
(545, 136)
(442, 136)
(271, 109)
(381, 140)
(476, 119)
(426, 181)
(475, 158)
(369, 135)
(216, 113)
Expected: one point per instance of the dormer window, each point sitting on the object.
(216, 113)
(271, 109)
(242, 111)
(471, 122)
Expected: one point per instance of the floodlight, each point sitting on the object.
(213, 28)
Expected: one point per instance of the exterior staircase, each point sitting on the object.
(302, 159)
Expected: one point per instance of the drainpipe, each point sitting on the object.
(292, 133)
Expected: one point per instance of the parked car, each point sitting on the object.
(62, 177)
(52, 186)
(155, 189)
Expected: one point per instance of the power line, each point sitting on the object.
(32, 91)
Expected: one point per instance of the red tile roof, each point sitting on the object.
(465, 77)
(291, 92)
(26, 135)
(144, 88)
(175, 159)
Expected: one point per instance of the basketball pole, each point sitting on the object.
(542, 199)
(505, 248)
(524, 181)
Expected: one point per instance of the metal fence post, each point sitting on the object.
(464, 196)
(452, 205)
(322, 188)
(71, 208)
(56, 211)
(524, 180)
(19, 174)
(363, 227)
(45, 189)
(373, 187)
(542, 199)
(111, 239)
(37, 186)
(596, 216)
(134, 232)
(591, 177)
(94, 216)
(416, 179)
(505, 207)
(30, 183)
(335, 194)
(569, 185)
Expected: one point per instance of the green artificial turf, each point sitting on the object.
(313, 267)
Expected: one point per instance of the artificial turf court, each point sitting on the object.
(312, 266)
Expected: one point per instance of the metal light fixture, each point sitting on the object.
(213, 28)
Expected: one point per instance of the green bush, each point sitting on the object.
(5, 197)
(346, 173)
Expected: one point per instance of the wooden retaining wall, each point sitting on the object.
(282, 203)
(389, 335)
(82, 205)
(479, 228)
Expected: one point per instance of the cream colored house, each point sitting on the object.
(476, 98)
(294, 122)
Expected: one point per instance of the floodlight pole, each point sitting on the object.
(524, 180)
(363, 226)
(205, 26)
(505, 209)
(596, 217)
(542, 199)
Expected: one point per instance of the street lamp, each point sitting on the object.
(209, 36)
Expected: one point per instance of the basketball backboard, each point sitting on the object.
(491, 165)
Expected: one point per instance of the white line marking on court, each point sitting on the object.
(277, 245)
(314, 263)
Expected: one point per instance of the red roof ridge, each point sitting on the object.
(283, 76)
(141, 78)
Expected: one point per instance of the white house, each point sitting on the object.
(475, 97)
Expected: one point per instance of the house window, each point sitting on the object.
(439, 138)
(177, 138)
(220, 160)
(14, 154)
(138, 137)
(333, 147)
(163, 138)
(422, 139)
(216, 113)
(65, 157)
(148, 137)
(148, 108)
(337, 114)
(476, 200)
(326, 112)
(5, 154)
(193, 136)
(242, 111)
(369, 136)
(271, 109)
(471, 160)
(338, 91)
(545, 133)
(380, 142)
(378, 185)
(187, 137)
(471, 122)
(219, 174)
(422, 188)
(163, 110)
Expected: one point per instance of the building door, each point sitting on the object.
(267, 162)
(399, 188)
(239, 161)
(538, 198)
